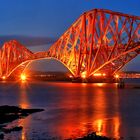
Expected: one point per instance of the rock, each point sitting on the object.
(1, 136)
(11, 113)
(92, 136)
(17, 128)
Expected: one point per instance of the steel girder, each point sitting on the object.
(12, 55)
(94, 42)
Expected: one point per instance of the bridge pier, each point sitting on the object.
(79, 80)
(121, 83)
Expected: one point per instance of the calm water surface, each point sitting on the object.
(74, 109)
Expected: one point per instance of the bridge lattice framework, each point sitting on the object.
(98, 41)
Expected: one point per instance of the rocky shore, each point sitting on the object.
(11, 113)
(92, 136)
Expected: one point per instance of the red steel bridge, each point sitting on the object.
(98, 41)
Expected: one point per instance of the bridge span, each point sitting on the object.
(98, 41)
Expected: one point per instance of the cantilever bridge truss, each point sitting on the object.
(98, 41)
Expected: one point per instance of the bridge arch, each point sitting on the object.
(26, 64)
(50, 58)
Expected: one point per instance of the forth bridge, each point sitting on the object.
(98, 41)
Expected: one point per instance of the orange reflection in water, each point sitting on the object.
(99, 124)
(23, 99)
(83, 108)
(25, 123)
(100, 84)
(93, 112)
(24, 103)
(108, 127)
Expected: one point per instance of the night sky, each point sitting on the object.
(38, 23)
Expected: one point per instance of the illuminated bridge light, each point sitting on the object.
(84, 75)
(3, 77)
(23, 77)
(70, 76)
(116, 76)
(97, 74)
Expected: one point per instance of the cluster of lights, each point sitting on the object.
(22, 77)
(99, 74)
(84, 75)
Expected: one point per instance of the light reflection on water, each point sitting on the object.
(24, 103)
(23, 98)
(71, 109)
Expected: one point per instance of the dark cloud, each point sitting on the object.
(27, 40)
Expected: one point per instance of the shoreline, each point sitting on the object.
(10, 113)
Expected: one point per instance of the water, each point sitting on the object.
(74, 109)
